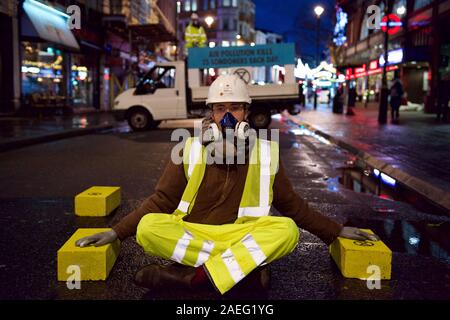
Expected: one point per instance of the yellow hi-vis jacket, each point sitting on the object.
(194, 37)
(257, 196)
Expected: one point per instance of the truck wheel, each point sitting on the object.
(140, 119)
(260, 119)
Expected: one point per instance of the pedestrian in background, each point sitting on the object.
(338, 100)
(351, 99)
(443, 100)
(396, 93)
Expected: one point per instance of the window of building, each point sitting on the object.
(225, 43)
(421, 3)
(205, 4)
(187, 5)
(212, 44)
(194, 5)
(226, 3)
(226, 24)
(234, 3)
(212, 4)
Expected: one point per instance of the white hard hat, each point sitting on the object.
(228, 88)
(194, 16)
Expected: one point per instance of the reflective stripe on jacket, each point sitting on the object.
(257, 195)
(194, 37)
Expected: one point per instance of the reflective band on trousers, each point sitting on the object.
(180, 249)
(203, 255)
(182, 244)
(233, 266)
(254, 250)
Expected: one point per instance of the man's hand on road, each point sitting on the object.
(357, 234)
(98, 239)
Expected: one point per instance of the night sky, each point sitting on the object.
(296, 21)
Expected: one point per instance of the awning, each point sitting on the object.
(41, 22)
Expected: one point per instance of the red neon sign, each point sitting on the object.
(361, 73)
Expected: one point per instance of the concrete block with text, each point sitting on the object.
(354, 257)
(94, 263)
(97, 201)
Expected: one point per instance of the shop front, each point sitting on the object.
(368, 77)
(43, 75)
(45, 50)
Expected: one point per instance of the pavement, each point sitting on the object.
(414, 152)
(37, 216)
(17, 132)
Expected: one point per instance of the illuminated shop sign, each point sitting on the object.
(394, 57)
(376, 66)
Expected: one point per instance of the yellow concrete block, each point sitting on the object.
(97, 201)
(353, 257)
(95, 263)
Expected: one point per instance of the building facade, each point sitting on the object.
(72, 54)
(418, 36)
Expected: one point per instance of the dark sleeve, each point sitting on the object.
(165, 199)
(291, 204)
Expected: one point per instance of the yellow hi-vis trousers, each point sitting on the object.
(229, 252)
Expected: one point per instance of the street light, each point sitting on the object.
(209, 21)
(401, 11)
(318, 10)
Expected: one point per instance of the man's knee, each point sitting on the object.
(148, 226)
(285, 228)
(291, 230)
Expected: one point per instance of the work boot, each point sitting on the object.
(259, 279)
(155, 276)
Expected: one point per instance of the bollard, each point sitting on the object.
(95, 263)
(97, 201)
(353, 257)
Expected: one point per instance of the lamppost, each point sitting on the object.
(178, 42)
(383, 107)
(318, 10)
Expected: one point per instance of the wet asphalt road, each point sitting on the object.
(36, 217)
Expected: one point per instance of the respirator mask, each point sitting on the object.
(230, 126)
(229, 142)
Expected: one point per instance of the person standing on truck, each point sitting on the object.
(213, 218)
(195, 35)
